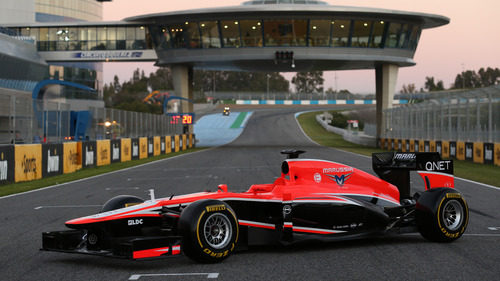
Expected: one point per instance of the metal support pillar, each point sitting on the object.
(182, 76)
(386, 76)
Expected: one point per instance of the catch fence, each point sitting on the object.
(466, 116)
(23, 120)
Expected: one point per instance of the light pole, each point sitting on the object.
(268, 76)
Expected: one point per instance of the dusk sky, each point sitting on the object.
(469, 42)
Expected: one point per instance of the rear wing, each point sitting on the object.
(395, 167)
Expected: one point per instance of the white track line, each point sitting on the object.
(213, 275)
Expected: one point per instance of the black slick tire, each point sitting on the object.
(209, 230)
(442, 215)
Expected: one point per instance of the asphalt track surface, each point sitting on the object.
(252, 158)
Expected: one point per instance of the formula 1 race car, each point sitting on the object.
(226, 111)
(312, 200)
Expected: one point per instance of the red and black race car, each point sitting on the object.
(312, 200)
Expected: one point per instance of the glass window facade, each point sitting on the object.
(340, 33)
(251, 33)
(361, 34)
(331, 33)
(210, 34)
(230, 33)
(285, 32)
(319, 33)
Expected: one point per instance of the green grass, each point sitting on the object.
(83, 173)
(487, 174)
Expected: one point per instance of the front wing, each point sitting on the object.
(73, 241)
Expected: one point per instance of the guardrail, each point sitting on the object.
(309, 102)
(26, 162)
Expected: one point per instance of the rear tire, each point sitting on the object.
(209, 231)
(442, 215)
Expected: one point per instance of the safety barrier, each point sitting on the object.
(26, 162)
(313, 102)
(477, 152)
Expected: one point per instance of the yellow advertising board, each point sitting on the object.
(70, 157)
(412, 146)
(190, 140)
(460, 150)
(445, 149)
(28, 162)
(496, 154)
(176, 141)
(168, 144)
(421, 146)
(157, 146)
(183, 141)
(403, 146)
(478, 152)
(382, 143)
(103, 152)
(126, 147)
(432, 145)
(143, 148)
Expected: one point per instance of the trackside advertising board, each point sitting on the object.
(156, 146)
(52, 159)
(72, 160)
(143, 148)
(176, 143)
(135, 148)
(28, 159)
(115, 151)
(6, 164)
(88, 153)
(151, 146)
(126, 147)
(168, 144)
(103, 152)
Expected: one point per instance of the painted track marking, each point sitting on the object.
(67, 206)
(212, 275)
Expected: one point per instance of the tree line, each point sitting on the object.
(129, 95)
(468, 79)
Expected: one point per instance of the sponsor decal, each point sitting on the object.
(438, 166)
(287, 209)
(337, 170)
(135, 222)
(348, 226)
(52, 162)
(340, 179)
(405, 156)
(215, 208)
(107, 54)
(317, 177)
(28, 165)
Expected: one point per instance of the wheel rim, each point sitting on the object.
(217, 231)
(452, 215)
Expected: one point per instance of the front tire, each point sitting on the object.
(209, 231)
(442, 215)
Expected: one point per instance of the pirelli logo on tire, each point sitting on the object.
(215, 208)
(453, 195)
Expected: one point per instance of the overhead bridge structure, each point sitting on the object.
(271, 36)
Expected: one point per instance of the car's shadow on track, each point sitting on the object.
(361, 243)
